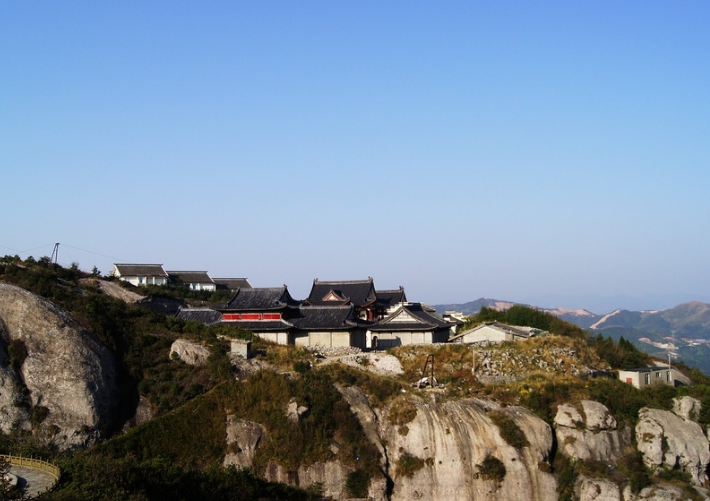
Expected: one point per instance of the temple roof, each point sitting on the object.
(357, 292)
(190, 277)
(263, 325)
(410, 317)
(232, 284)
(260, 299)
(140, 270)
(387, 298)
(325, 318)
(206, 316)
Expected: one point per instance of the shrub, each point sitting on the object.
(491, 468)
(408, 465)
(402, 412)
(357, 484)
(509, 430)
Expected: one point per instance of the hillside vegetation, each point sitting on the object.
(178, 453)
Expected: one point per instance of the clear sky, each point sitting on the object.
(555, 153)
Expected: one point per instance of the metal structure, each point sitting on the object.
(55, 253)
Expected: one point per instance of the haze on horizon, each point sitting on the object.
(553, 154)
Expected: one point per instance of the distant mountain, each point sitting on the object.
(684, 329)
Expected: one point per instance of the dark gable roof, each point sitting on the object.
(260, 299)
(420, 320)
(232, 284)
(387, 298)
(205, 316)
(357, 292)
(190, 277)
(141, 270)
(327, 318)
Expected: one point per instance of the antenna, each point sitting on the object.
(55, 253)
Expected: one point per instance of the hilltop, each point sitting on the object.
(684, 329)
(290, 424)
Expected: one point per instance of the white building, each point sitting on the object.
(140, 274)
(648, 376)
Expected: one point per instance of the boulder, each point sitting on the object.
(190, 353)
(243, 439)
(63, 387)
(453, 438)
(669, 441)
(589, 433)
(597, 489)
(687, 407)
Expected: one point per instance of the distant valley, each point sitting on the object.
(684, 329)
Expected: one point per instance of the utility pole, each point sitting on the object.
(55, 253)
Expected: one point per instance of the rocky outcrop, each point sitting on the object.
(597, 489)
(243, 439)
(60, 381)
(190, 353)
(448, 443)
(667, 440)
(589, 432)
(686, 407)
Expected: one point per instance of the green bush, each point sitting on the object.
(408, 465)
(491, 468)
(357, 484)
(509, 430)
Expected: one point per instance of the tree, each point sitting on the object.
(8, 484)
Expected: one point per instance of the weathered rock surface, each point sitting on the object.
(453, 438)
(68, 374)
(667, 440)
(597, 489)
(662, 492)
(243, 439)
(590, 432)
(190, 353)
(686, 407)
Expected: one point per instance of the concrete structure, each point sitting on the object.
(240, 348)
(648, 376)
(496, 332)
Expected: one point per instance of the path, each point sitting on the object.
(36, 481)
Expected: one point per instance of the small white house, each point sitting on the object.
(496, 332)
(193, 280)
(140, 274)
(648, 376)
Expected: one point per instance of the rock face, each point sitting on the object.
(596, 489)
(243, 438)
(452, 440)
(190, 353)
(667, 440)
(589, 432)
(63, 386)
(686, 407)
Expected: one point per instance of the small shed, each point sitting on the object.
(648, 376)
(240, 348)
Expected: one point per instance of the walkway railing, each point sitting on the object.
(38, 464)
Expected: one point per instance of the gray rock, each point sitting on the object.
(669, 441)
(243, 439)
(597, 489)
(590, 434)
(69, 374)
(190, 353)
(687, 407)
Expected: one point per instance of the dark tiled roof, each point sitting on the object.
(357, 292)
(387, 298)
(420, 320)
(232, 284)
(141, 270)
(190, 277)
(325, 318)
(262, 325)
(260, 299)
(205, 316)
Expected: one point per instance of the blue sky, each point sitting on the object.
(553, 153)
